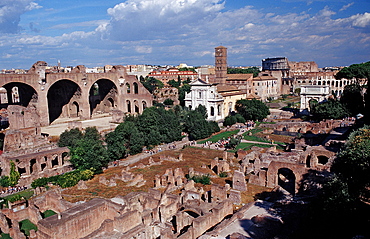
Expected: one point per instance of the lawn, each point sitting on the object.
(26, 194)
(26, 226)
(248, 146)
(48, 213)
(220, 136)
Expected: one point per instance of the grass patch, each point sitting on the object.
(48, 213)
(26, 226)
(220, 136)
(26, 194)
(251, 135)
(5, 236)
(248, 146)
(267, 122)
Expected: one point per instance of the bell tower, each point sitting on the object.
(221, 65)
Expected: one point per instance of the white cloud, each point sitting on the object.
(345, 7)
(167, 31)
(143, 49)
(148, 19)
(361, 20)
(11, 11)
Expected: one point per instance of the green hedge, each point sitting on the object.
(65, 180)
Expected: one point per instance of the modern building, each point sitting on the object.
(266, 87)
(173, 74)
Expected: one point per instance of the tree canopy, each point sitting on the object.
(151, 83)
(69, 137)
(353, 99)
(357, 99)
(357, 71)
(252, 109)
(89, 152)
(353, 162)
(251, 70)
(330, 109)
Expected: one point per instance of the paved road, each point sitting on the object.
(244, 225)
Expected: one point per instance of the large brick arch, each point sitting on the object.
(61, 97)
(42, 82)
(26, 93)
(103, 96)
(272, 173)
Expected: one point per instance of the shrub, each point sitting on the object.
(223, 175)
(203, 179)
(65, 180)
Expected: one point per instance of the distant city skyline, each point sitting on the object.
(170, 32)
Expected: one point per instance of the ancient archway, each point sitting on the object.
(102, 95)
(287, 179)
(75, 109)
(60, 94)
(322, 159)
(20, 94)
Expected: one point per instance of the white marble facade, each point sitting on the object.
(203, 93)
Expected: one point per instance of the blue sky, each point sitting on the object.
(96, 32)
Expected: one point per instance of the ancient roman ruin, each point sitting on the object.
(174, 207)
(77, 93)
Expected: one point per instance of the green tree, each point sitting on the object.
(168, 101)
(352, 164)
(174, 83)
(214, 126)
(14, 175)
(330, 109)
(12, 179)
(352, 98)
(196, 126)
(202, 110)
(69, 137)
(251, 70)
(183, 90)
(252, 109)
(89, 152)
(232, 119)
(116, 145)
(187, 69)
(357, 71)
(126, 138)
(151, 84)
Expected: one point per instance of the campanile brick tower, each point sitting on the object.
(221, 65)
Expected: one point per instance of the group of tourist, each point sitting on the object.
(153, 151)
(10, 190)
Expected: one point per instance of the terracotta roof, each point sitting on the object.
(260, 78)
(226, 88)
(253, 96)
(239, 76)
(232, 93)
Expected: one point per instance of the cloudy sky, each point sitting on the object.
(96, 32)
